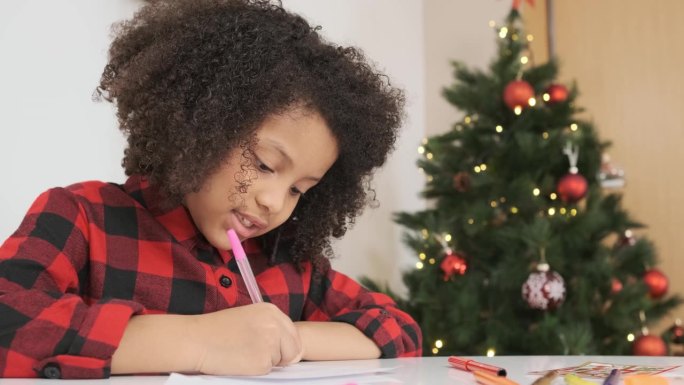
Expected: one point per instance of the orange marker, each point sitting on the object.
(485, 378)
(471, 365)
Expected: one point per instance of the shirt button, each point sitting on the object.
(52, 371)
(225, 281)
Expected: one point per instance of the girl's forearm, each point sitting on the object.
(154, 344)
(335, 341)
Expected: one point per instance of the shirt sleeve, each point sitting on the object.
(49, 327)
(334, 296)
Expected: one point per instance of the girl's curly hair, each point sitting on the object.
(193, 79)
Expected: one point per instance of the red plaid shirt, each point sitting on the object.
(88, 257)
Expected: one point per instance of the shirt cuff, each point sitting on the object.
(381, 326)
(92, 346)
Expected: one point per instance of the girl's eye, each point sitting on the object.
(295, 191)
(262, 166)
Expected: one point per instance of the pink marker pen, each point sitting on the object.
(243, 265)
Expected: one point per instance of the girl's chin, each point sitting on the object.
(219, 240)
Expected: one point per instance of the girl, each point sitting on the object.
(238, 115)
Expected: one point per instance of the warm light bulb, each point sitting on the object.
(630, 337)
(532, 102)
(563, 210)
(530, 38)
(435, 350)
(493, 203)
(429, 156)
(552, 211)
(471, 221)
(467, 120)
(439, 344)
(447, 237)
(431, 261)
(424, 233)
(491, 352)
(499, 129)
(573, 212)
(419, 265)
(483, 167)
(553, 196)
(477, 168)
(514, 210)
(421, 150)
(546, 97)
(574, 127)
(503, 32)
(517, 110)
(424, 141)
(514, 37)
(545, 135)
(429, 178)
(422, 256)
(536, 192)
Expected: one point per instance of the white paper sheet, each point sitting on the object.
(305, 373)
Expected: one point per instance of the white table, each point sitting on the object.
(428, 370)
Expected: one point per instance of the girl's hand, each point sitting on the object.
(246, 340)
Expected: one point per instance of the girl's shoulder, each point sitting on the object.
(92, 193)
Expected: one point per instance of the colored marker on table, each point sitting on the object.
(243, 265)
(487, 378)
(472, 365)
(643, 379)
(572, 379)
(547, 378)
(613, 378)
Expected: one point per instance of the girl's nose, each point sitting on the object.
(272, 198)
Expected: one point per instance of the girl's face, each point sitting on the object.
(293, 152)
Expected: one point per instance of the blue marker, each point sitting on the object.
(612, 378)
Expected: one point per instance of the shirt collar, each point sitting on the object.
(253, 250)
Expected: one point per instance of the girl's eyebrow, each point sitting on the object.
(278, 147)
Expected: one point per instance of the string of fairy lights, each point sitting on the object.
(482, 167)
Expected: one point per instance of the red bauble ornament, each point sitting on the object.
(517, 94)
(517, 3)
(544, 289)
(657, 283)
(572, 187)
(649, 345)
(453, 263)
(557, 93)
(615, 286)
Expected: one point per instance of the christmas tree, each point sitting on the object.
(526, 249)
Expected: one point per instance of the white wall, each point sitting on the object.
(51, 134)
(456, 30)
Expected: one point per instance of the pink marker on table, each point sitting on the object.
(243, 265)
